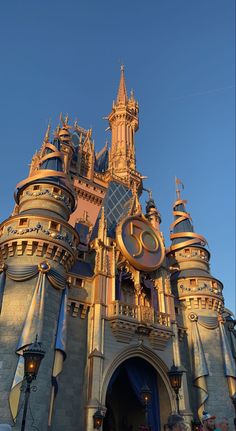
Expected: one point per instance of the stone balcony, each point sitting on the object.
(126, 320)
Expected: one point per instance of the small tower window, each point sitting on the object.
(187, 250)
(214, 284)
(193, 282)
(56, 190)
(36, 187)
(78, 282)
(55, 226)
(23, 222)
(202, 254)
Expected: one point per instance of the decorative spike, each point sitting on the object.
(177, 183)
(66, 120)
(136, 207)
(132, 94)
(47, 134)
(56, 132)
(102, 226)
(122, 93)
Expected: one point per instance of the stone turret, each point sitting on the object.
(200, 309)
(152, 212)
(37, 248)
(189, 263)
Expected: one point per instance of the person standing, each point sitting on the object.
(222, 424)
(176, 423)
(208, 422)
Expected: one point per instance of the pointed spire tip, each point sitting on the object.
(122, 93)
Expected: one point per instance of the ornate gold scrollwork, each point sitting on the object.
(194, 238)
(193, 317)
(44, 267)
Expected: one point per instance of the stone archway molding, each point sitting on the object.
(141, 351)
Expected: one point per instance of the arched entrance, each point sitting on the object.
(125, 411)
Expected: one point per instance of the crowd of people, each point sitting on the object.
(208, 423)
(176, 423)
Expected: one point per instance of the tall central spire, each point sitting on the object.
(123, 121)
(122, 93)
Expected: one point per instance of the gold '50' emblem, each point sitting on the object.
(140, 243)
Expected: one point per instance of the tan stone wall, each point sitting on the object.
(69, 412)
(15, 306)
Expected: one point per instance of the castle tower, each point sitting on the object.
(123, 121)
(200, 311)
(152, 213)
(38, 247)
(112, 306)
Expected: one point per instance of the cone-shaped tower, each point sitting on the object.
(122, 92)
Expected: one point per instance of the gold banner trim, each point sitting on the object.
(44, 173)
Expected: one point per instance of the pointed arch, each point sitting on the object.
(141, 351)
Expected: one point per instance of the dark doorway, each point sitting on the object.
(125, 411)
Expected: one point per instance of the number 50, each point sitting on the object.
(139, 235)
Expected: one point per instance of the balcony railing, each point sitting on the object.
(138, 313)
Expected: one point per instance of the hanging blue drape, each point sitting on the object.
(2, 287)
(62, 324)
(118, 285)
(154, 300)
(140, 373)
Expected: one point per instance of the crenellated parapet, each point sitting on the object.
(38, 236)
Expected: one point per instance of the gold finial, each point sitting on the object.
(64, 133)
(56, 132)
(65, 121)
(136, 207)
(47, 134)
(122, 93)
(177, 183)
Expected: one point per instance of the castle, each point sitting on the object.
(87, 271)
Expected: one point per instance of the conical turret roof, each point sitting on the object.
(52, 157)
(122, 92)
(182, 231)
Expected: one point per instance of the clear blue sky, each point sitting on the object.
(179, 58)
